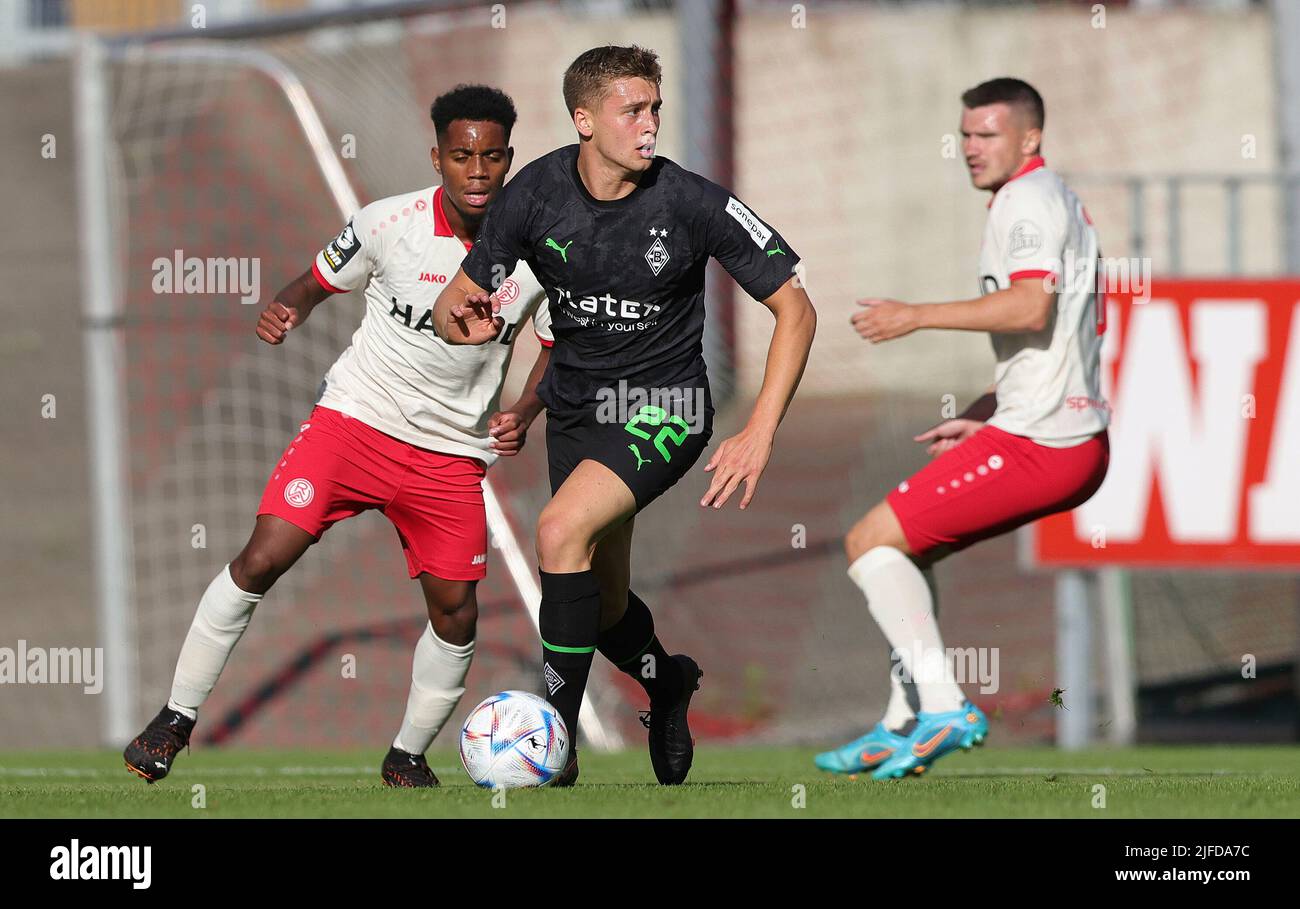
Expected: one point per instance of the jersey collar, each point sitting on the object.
(1033, 163)
(647, 179)
(441, 226)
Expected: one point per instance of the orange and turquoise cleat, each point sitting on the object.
(935, 735)
(863, 753)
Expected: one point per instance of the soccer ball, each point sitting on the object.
(512, 740)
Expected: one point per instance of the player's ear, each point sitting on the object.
(510, 157)
(1032, 141)
(433, 156)
(582, 122)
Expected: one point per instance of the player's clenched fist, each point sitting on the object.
(507, 430)
(476, 321)
(276, 321)
(884, 320)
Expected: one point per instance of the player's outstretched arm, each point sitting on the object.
(743, 457)
(466, 313)
(1025, 306)
(509, 427)
(290, 307)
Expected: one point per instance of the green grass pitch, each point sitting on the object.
(1219, 781)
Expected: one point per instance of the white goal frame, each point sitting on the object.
(101, 304)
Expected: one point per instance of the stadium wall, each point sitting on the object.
(877, 210)
(857, 182)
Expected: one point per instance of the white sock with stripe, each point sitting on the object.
(437, 684)
(223, 614)
(901, 602)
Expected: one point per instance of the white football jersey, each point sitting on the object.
(1048, 382)
(398, 376)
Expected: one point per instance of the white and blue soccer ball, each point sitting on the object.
(512, 740)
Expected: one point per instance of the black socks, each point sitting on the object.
(632, 646)
(569, 621)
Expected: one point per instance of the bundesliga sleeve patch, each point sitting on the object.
(341, 249)
(759, 232)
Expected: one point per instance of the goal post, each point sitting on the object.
(137, 108)
(105, 411)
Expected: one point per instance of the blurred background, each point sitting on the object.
(140, 426)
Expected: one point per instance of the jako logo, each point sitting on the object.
(103, 863)
(430, 278)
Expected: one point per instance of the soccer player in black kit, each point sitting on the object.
(620, 239)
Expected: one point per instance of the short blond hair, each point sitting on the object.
(589, 77)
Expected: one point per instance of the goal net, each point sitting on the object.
(231, 164)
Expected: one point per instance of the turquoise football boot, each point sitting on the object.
(935, 735)
(863, 753)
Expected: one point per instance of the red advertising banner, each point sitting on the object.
(1203, 380)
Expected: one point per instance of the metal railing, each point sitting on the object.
(1159, 201)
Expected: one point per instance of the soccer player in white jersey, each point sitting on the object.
(1033, 445)
(404, 423)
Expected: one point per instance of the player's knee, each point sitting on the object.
(857, 540)
(452, 599)
(255, 569)
(866, 534)
(559, 543)
(454, 615)
(550, 536)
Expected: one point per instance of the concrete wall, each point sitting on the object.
(841, 130)
(842, 124)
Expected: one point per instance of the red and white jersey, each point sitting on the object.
(398, 376)
(1048, 382)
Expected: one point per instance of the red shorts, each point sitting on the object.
(339, 466)
(993, 483)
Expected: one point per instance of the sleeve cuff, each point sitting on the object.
(320, 279)
(546, 342)
(761, 293)
(1031, 273)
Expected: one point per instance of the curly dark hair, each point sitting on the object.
(473, 102)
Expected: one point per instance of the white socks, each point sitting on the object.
(437, 683)
(437, 674)
(901, 707)
(901, 602)
(223, 614)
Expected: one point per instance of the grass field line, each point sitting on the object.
(1095, 771)
(212, 771)
(87, 772)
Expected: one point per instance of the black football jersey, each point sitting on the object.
(624, 278)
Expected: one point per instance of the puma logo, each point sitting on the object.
(639, 460)
(562, 250)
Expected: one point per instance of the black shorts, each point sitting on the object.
(650, 446)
